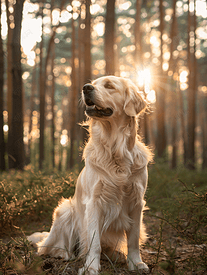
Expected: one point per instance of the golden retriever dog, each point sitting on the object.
(106, 210)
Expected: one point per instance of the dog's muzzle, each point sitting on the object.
(92, 108)
(88, 94)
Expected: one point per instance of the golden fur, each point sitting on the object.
(106, 210)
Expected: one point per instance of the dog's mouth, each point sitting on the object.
(94, 110)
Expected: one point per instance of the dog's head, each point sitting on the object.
(111, 96)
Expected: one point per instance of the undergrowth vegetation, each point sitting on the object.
(31, 196)
(178, 199)
(176, 221)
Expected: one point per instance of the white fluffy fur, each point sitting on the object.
(106, 210)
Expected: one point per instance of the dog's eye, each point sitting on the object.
(108, 86)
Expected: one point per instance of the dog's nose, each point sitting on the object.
(87, 88)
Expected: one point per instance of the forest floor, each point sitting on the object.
(176, 223)
(164, 252)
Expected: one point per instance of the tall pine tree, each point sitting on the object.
(2, 142)
(16, 157)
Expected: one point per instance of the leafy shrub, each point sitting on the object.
(18, 257)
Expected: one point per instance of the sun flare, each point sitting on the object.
(144, 81)
(144, 77)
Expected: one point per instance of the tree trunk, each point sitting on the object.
(73, 102)
(192, 64)
(182, 123)
(117, 56)
(160, 102)
(87, 44)
(203, 104)
(138, 37)
(174, 126)
(42, 99)
(32, 103)
(140, 66)
(87, 58)
(81, 53)
(81, 115)
(16, 159)
(9, 65)
(53, 106)
(173, 95)
(9, 76)
(110, 37)
(2, 142)
(53, 94)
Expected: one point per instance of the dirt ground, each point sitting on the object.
(165, 252)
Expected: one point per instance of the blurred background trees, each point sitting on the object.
(2, 142)
(49, 49)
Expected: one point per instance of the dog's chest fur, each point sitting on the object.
(117, 187)
(117, 192)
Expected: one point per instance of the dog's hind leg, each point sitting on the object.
(62, 237)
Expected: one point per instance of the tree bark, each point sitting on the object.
(73, 102)
(203, 104)
(160, 96)
(81, 115)
(42, 98)
(87, 43)
(9, 65)
(16, 159)
(192, 65)
(110, 37)
(138, 36)
(140, 66)
(2, 142)
(32, 103)
(173, 95)
(53, 107)
(87, 57)
(53, 94)
(182, 122)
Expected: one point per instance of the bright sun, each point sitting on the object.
(144, 81)
(144, 77)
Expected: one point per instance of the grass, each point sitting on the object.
(32, 195)
(176, 221)
(18, 257)
(178, 199)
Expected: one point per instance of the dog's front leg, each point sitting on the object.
(93, 224)
(133, 235)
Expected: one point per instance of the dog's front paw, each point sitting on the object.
(87, 271)
(141, 267)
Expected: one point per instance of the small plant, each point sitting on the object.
(17, 257)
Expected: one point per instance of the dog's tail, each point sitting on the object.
(62, 238)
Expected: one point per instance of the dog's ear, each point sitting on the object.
(134, 103)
